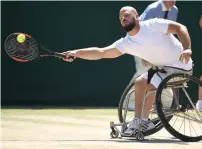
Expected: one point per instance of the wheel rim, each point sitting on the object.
(186, 123)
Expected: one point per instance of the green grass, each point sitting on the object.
(61, 112)
(58, 116)
(34, 115)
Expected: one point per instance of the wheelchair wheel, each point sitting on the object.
(126, 111)
(186, 123)
(114, 134)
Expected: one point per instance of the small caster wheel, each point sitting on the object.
(139, 136)
(114, 134)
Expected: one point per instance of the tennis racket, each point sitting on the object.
(28, 50)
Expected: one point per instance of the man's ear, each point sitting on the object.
(200, 22)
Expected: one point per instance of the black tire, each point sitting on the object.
(114, 134)
(161, 114)
(157, 123)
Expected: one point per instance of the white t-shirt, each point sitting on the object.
(152, 43)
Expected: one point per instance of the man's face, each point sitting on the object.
(127, 20)
(169, 3)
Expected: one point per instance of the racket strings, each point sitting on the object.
(27, 50)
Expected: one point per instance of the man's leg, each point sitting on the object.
(148, 102)
(140, 89)
(155, 81)
(199, 103)
(140, 69)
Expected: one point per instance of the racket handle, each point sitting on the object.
(59, 55)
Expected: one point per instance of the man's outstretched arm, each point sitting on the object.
(93, 53)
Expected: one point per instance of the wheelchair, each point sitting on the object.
(174, 109)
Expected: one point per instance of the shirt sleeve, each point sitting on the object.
(159, 25)
(120, 45)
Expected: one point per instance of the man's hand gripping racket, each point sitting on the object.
(69, 56)
(29, 49)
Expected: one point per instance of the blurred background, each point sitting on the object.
(66, 25)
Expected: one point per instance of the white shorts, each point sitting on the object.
(178, 67)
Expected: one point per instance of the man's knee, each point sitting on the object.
(150, 87)
(141, 82)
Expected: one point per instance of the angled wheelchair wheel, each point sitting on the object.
(114, 134)
(186, 123)
(126, 110)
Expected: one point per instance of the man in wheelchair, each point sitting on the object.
(153, 41)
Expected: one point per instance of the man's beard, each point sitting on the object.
(130, 26)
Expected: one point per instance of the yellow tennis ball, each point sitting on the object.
(21, 38)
